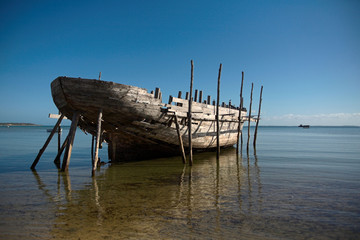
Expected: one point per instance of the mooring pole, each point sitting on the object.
(258, 118)
(217, 116)
(241, 105)
(69, 145)
(180, 139)
(97, 144)
(247, 147)
(190, 115)
(47, 142)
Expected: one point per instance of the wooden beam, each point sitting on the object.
(247, 146)
(180, 139)
(47, 142)
(217, 116)
(258, 118)
(69, 145)
(189, 114)
(97, 144)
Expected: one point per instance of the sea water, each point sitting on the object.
(298, 184)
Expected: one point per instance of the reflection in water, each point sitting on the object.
(162, 198)
(155, 199)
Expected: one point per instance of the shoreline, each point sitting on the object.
(17, 124)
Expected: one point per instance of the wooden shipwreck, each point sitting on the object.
(136, 124)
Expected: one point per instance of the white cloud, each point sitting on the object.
(332, 119)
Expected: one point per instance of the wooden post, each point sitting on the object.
(190, 115)
(258, 118)
(247, 147)
(179, 96)
(170, 99)
(57, 158)
(180, 139)
(241, 106)
(217, 116)
(200, 96)
(187, 96)
(69, 145)
(92, 149)
(208, 99)
(196, 95)
(157, 93)
(100, 76)
(59, 137)
(98, 135)
(42, 150)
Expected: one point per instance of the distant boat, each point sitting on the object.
(304, 126)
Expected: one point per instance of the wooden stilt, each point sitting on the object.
(258, 118)
(190, 115)
(47, 142)
(98, 135)
(92, 149)
(217, 116)
(240, 109)
(69, 145)
(57, 158)
(180, 139)
(59, 137)
(248, 140)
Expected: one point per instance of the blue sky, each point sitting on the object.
(306, 54)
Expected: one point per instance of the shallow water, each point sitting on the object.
(301, 184)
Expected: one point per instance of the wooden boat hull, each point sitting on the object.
(137, 125)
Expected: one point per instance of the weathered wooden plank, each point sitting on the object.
(56, 116)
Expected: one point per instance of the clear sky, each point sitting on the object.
(306, 53)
